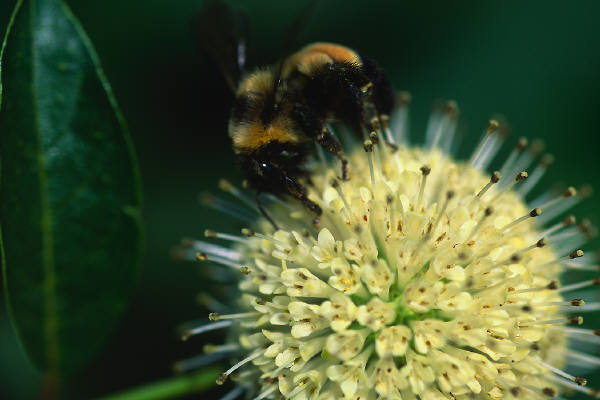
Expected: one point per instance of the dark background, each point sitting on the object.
(536, 62)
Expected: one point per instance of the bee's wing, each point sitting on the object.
(222, 33)
(288, 44)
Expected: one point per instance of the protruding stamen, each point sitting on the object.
(553, 285)
(249, 233)
(540, 243)
(201, 256)
(190, 247)
(560, 204)
(211, 348)
(586, 335)
(226, 186)
(496, 176)
(521, 176)
(560, 372)
(570, 320)
(488, 152)
(525, 158)
(400, 120)
(226, 207)
(214, 317)
(199, 361)
(368, 146)
(536, 175)
(432, 227)
(574, 254)
(225, 236)
(188, 333)
(570, 220)
(573, 303)
(583, 358)
(510, 161)
(486, 213)
(570, 192)
(223, 377)
(425, 171)
(536, 212)
(481, 147)
(452, 112)
(444, 125)
(574, 385)
(580, 285)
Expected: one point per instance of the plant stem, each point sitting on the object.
(169, 388)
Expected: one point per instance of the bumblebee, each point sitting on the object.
(280, 111)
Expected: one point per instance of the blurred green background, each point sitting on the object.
(536, 62)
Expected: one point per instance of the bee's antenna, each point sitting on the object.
(263, 211)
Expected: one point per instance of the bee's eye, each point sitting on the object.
(265, 169)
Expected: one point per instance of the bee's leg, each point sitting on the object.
(298, 191)
(330, 143)
(263, 211)
(314, 128)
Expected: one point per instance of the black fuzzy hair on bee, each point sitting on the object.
(279, 111)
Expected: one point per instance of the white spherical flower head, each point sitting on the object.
(424, 278)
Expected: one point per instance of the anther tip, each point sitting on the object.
(575, 320)
(225, 185)
(580, 381)
(210, 233)
(576, 254)
(368, 145)
(522, 144)
(373, 137)
(521, 175)
(186, 335)
(552, 285)
(200, 256)
(488, 211)
(549, 392)
(245, 270)
(542, 242)
(450, 194)
(515, 258)
(536, 212)
(537, 146)
(496, 176)
(547, 160)
(247, 232)
(221, 379)
(577, 302)
(213, 316)
(492, 126)
(404, 98)
(570, 220)
(570, 192)
(451, 108)
(425, 170)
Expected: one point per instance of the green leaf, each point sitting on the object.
(170, 388)
(69, 191)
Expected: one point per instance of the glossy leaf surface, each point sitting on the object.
(69, 200)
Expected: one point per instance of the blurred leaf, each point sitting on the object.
(170, 388)
(70, 200)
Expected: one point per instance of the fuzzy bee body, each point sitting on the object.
(280, 111)
(273, 121)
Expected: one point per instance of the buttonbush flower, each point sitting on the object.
(424, 278)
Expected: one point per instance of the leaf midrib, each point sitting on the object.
(50, 310)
